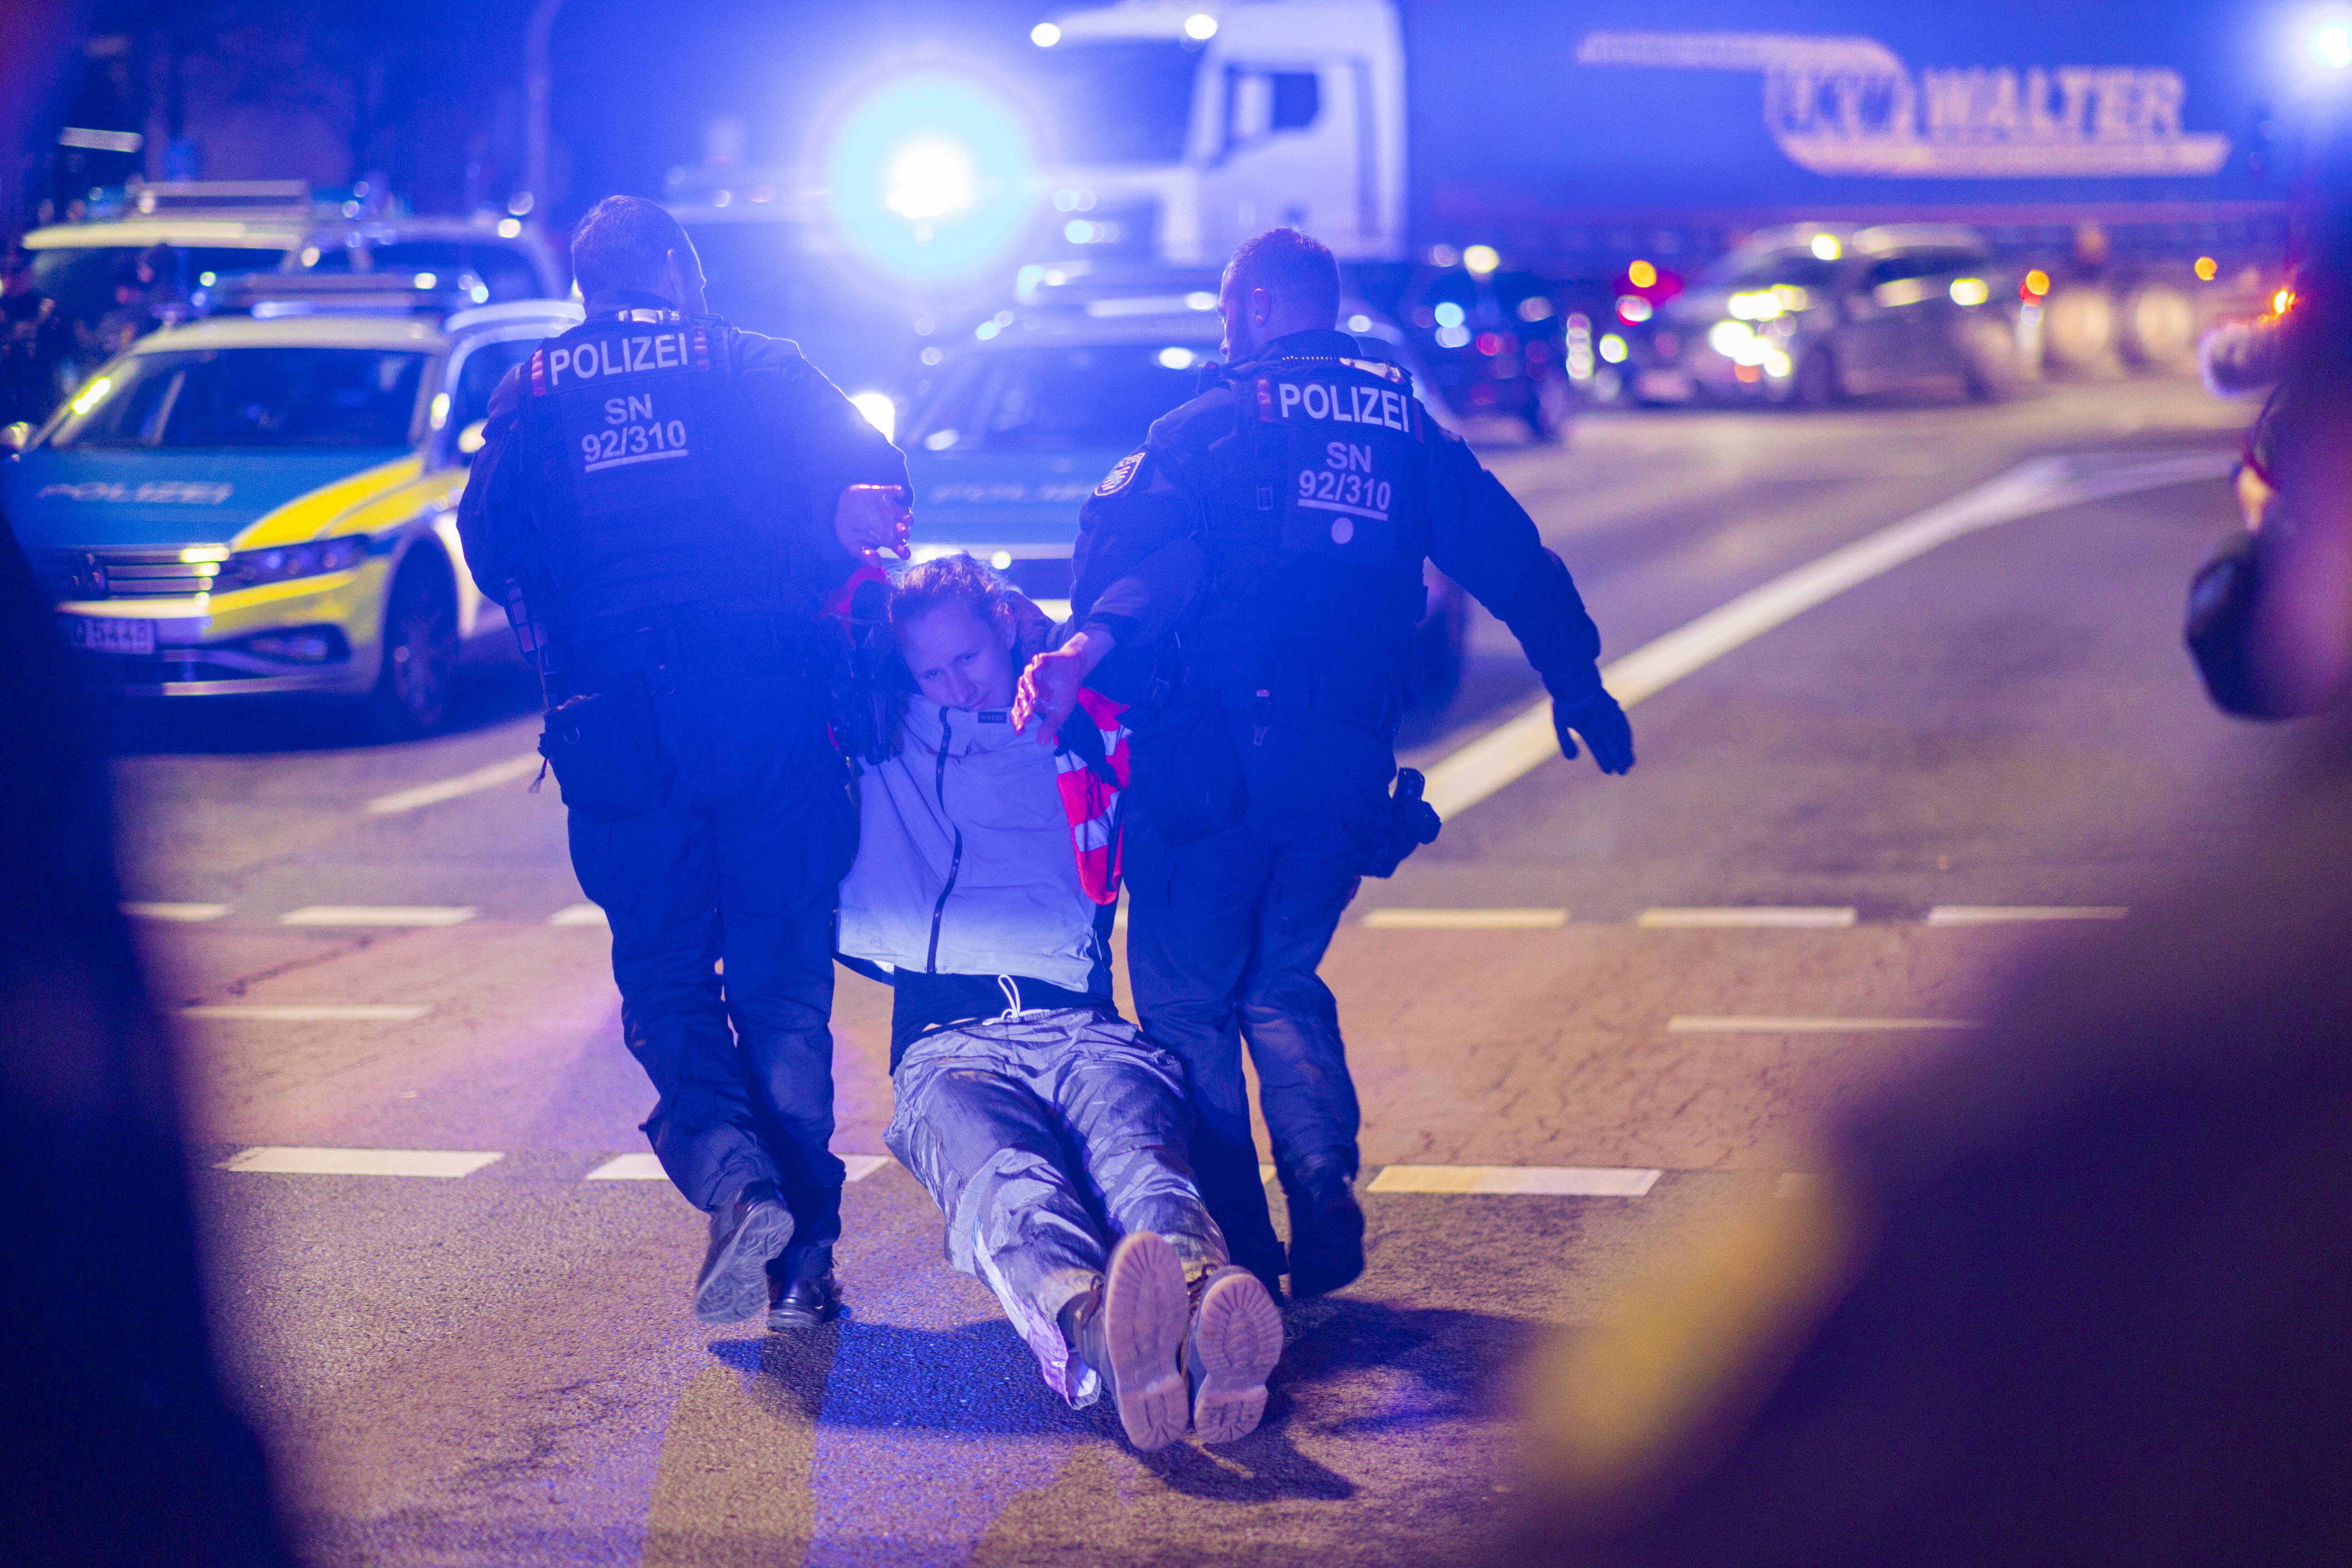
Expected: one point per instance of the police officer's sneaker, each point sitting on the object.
(802, 1292)
(1133, 1334)
(1326, 1232)
(1235, 1339)
(746, 1231)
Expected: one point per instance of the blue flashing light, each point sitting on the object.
(932, 178)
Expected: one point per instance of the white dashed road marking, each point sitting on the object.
(1998, 914)
(1551, 1181)
(442, 1163)
(509, 771)
(302, 1014)
(647, 1168)
(1519, 745)
(578, 915)
(185, 913)
(1783, 916)
(1465, 919)
(379, 915)
(1702, 1024)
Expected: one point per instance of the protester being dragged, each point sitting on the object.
(1051, 1134)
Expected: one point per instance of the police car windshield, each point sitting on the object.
(1061, 399)
(288, 397)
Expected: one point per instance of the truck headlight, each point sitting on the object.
(282, 562)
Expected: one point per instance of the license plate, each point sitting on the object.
(110, 634)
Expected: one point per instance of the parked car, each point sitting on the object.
(268, 505)
(197, 237)
(1815, 314)
(1493, 345)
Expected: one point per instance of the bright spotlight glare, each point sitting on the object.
(1612, 348)
(1970, 291)
(510, 227)
(1826, 248)
(1448, 313)
(1481, 258)
(879, 411)
(1044, 35)
(93, 395)
(1199, 27)
(1641, 275)
(2333, 44)
(1177, 358)
(931, 178)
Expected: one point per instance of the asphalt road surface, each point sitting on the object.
(1594, 1007)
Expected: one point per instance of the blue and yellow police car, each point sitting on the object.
(267, 504)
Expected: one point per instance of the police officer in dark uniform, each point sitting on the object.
(1313, 484)
(663, 503)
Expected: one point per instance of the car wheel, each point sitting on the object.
(1817, 381)
(420, 651)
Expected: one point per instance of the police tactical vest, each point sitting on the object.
(646, 479)
(1319, 525)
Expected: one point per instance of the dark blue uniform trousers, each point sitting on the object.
(741, 863)
(1225, 934)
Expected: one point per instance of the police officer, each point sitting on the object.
(663, 503)
(1313, 485)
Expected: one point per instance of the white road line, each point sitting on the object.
(647, 1168)
(1519, 745)
(379, 915)
(1551, 1181)
(579, 915)
(1464, 920)
(1999, 914)
(442, 1163)
(497, 773)
(1781, 915)
(298, 1013)
(184, 913)
(1702, 1024)
(629, 1168)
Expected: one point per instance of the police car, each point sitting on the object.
(267, 504)
(1011, 433)
(209, 232)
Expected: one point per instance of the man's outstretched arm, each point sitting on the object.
(1483, 539)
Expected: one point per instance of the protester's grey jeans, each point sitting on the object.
(1044, 1137)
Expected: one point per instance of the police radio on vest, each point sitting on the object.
(1344, 405)
(618, 356)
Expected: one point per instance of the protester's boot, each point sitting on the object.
(1133, 1334)
(1235, 1339)
(1326, 1231)
(802, 1292)
(746, 1231)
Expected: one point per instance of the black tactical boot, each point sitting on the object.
(802, 1292)
(1131, 1331)
(1235, 1339)
(1326, 1232)
(746, 1231)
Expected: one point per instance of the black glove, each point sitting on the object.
(1602, 724)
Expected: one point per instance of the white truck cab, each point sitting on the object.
(1214, 122)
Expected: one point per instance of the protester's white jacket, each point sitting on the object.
(965, 863)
